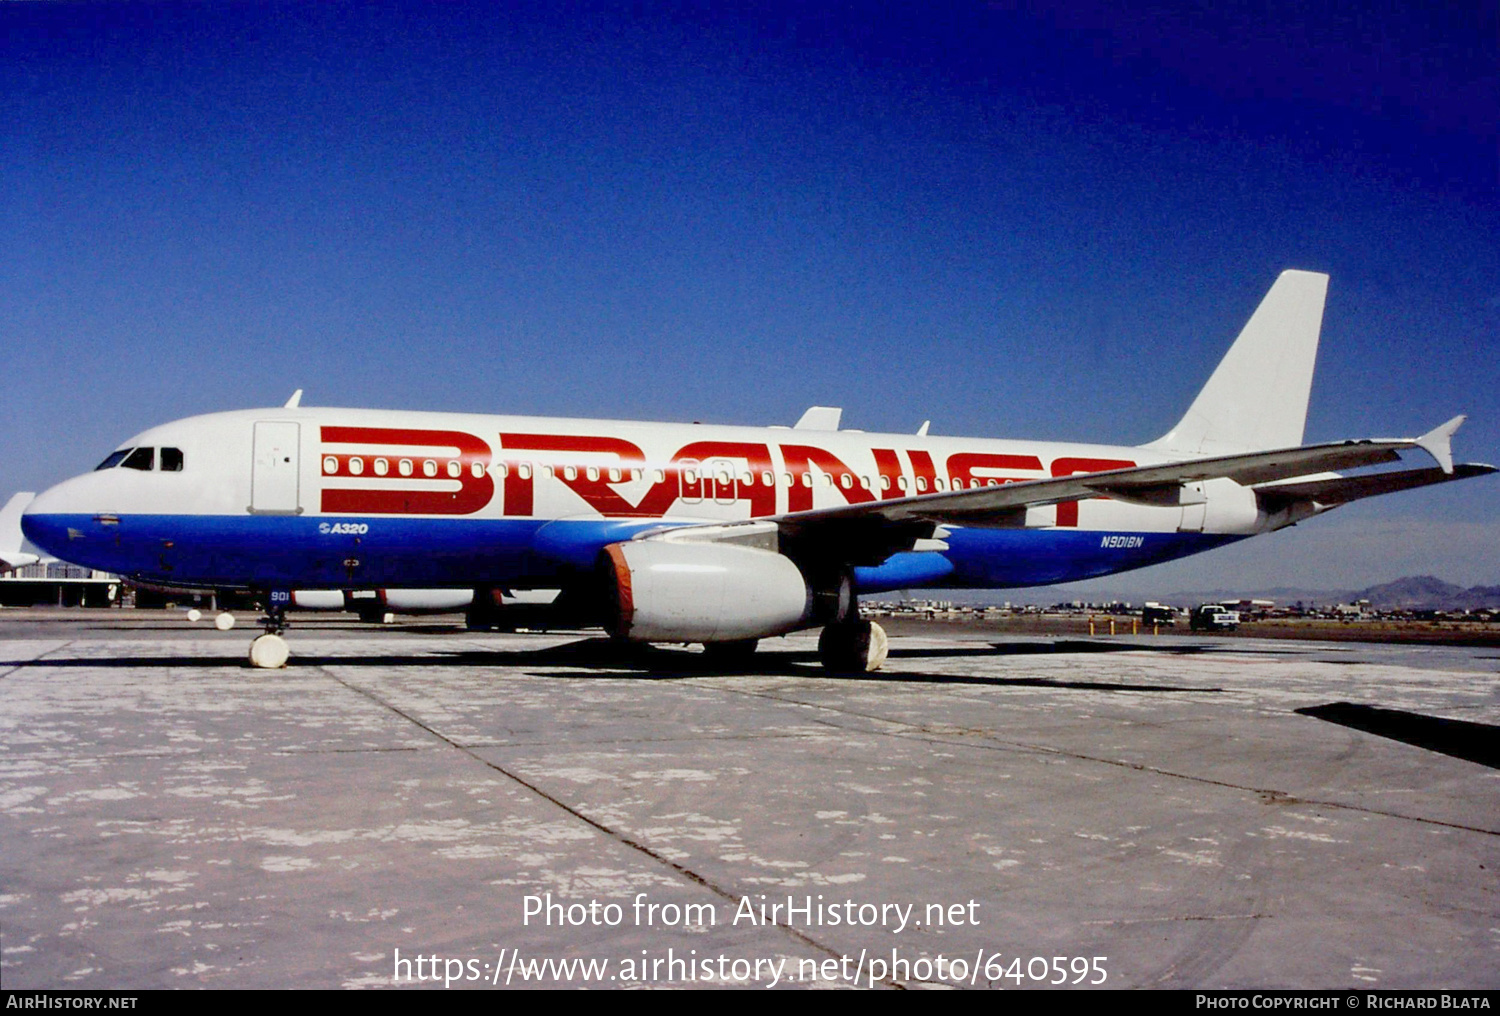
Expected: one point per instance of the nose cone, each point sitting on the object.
(54, 520)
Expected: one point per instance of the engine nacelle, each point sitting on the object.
(703, 592)
(1231, 508)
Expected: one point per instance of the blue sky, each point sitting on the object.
(1013, 220)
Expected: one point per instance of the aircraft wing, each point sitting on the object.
(868, 532)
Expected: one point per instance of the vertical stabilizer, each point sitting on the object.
(1257, 396)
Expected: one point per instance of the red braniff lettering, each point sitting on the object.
(394, 464)
(596, 487)
(1067, 512)
(888, 468)
(596, 482)
(760, 491)
(921, 466)
(963, 468)
(800, 460)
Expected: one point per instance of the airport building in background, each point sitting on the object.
(52, 583)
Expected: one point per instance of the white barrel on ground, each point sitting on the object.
(269, 652)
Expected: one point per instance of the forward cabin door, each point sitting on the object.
(274, 480)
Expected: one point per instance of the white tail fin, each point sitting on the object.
(12, 554)
(1257, 397)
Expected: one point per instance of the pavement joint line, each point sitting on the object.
(1000, 744)
(32, 662)
(655, 740)
(343, 751)
(685, 872)
(1123, 921)
(108, 757)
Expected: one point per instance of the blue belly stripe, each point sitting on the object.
(292, 552)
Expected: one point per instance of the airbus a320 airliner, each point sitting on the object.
(719, 535)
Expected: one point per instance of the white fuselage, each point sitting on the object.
(340, 498)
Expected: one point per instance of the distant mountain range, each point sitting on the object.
(1424, 592)
(1420, 592)
(1416, 592)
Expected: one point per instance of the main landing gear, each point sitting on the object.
(270, 651)
(848, 645)
(853, 647)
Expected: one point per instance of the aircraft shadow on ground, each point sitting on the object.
(344, 626)
(605, 659)
(1472, 742)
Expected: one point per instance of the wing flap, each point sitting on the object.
(1343, 489)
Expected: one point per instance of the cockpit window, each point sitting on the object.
(142, 458)
(171, 460)
(113, 460)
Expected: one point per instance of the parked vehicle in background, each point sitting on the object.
(1158, 614)
(1213, 617)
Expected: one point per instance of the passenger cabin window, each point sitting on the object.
(171, 460)
(113, 460)
(143, 459)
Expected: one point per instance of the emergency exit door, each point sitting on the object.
(274, 478)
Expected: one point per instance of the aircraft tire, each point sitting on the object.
(855, 647)
(269, 652)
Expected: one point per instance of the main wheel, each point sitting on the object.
(855, 647)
